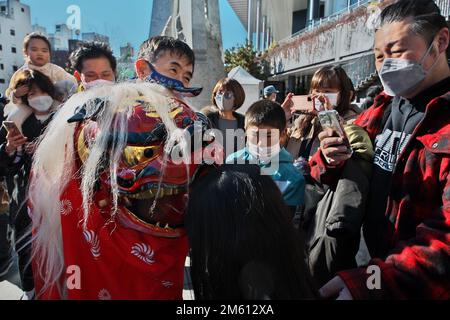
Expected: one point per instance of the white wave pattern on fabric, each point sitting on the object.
(104, 295)
(66, 207)
(94, 242)
(143, 252)
(54, 164)
(167, 284)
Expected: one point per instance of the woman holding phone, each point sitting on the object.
(23, 126)
(332, 217)
(331, 89)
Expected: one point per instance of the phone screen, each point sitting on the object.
(331, 119)
(303, 103)
(11, 127)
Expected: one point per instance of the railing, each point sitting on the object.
(317, 22)
(444, 5)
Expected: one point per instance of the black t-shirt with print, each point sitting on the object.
(400, 123)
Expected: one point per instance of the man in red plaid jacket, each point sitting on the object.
(407, 225)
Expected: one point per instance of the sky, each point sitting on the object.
(123, 21)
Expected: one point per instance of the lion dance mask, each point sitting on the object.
(108, 194)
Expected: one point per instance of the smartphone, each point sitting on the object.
(331, 119)
(303, 103)
(11, 127)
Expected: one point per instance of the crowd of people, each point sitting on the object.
(280, 205)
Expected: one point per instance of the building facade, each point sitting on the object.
(39, 29)
(15, 24)
(127, 53)
(60, 39)
(297, 37)
(94, 36)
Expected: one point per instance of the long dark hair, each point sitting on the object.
(31, 77)
(243, 245)
(329, 77)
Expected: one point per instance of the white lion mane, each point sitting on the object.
(54, 164)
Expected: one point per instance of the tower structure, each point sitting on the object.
(196, 22)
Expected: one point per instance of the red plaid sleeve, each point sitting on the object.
(418, 268)
(322, 172)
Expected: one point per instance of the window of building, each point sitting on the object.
(1, 47)
(22, 9)
(12, 32)
(13, 50)
(15, 68)
(3, 9)
(2, 66)
(2, 80)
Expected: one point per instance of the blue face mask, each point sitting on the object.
(172, 84)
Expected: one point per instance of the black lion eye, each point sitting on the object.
(148, 153)
(125, 183)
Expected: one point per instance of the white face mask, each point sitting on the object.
(264, 154)
(41, 104)
(97, 83)
(332, 97)
(400, 76)
(224, 103)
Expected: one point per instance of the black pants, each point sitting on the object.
(6, 250)
(22, 226)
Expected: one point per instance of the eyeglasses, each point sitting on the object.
(226, 94)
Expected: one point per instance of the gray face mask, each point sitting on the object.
(225, 102)
(401, 76)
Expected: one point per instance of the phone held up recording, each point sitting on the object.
(331, 119)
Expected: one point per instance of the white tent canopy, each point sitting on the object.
(252, 86)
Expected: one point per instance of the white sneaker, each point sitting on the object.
(28, 295)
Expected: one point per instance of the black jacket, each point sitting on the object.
(332, 220)
(213, 116)
(16, 169)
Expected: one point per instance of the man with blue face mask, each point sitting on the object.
(169, 62)
(407, 226)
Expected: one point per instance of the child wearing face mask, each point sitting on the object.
(227, 97)
(37, 51)
(31, 117)
(331, 88)
(265, 124)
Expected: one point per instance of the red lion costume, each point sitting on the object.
(121, 200)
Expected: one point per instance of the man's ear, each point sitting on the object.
(443, 40)
(77, 75)
(141, 68)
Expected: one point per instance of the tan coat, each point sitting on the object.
(295, 138)
(54, 72)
